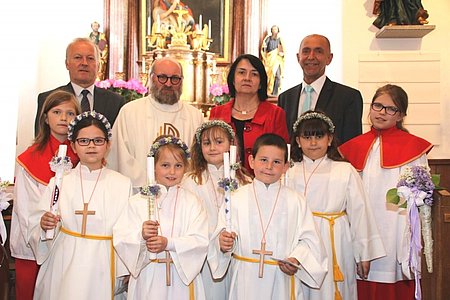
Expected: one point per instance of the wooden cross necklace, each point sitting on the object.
(168, 259)
(216, 201)
(262, 252)
(306, 182)
(85, 212)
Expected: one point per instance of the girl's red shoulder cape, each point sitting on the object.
(36, 163)
(397, 148)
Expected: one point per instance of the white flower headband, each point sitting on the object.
(85, 115)
(314, 115)
(209, 124)
(168, 140)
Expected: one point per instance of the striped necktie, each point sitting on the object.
(85, 101)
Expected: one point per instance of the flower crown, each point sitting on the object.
(314, 115)
(210, 124)
(168, 140)
(85, 115)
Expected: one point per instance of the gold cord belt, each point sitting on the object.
(268, 262)
(337, 274)
(101, 238)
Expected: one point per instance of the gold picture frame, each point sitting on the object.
(218, 11)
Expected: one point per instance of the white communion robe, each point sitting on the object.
(28, 192)
(391, 219)
(334, 187)
(76, 267)
(291, 233)
(138, 124)
(176, 207)
(212, 197)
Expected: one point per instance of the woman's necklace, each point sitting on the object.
(312, 173)
(216, 201)
(262, 252)
(85, 212)
(245, 112)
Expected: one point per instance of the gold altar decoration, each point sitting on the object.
(189, 44)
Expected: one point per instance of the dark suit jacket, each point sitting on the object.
(105, 102)
(341, 103)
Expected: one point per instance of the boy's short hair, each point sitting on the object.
(270, 139)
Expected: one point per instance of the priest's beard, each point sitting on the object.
(166, 94)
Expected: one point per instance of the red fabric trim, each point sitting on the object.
(400, 290)
(37, 163)
(397, 148)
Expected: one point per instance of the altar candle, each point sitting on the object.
(233, 159)
(226, 164)
(158, 24)
(120, 66)
(209, 29)
(151, 170)
(200, 22)
(149, 26)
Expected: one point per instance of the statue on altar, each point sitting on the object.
(272, 54)
(100, 40)
(399, 12)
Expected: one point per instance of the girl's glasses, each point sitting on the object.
(390, 110)
(98, 141)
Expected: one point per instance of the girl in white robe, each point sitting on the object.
(335, 193)
(271, 215)
(179, 233)
(79, 262)
(211, 140)
(381, 155)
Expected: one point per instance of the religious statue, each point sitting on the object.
(165, 16)
(99, 39)
(272, 54)
(399, 12)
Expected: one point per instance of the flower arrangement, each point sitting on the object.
(228, 184)
(150, 190)
(130, 90)
(415, 193)
(4, 204)
(220, 93)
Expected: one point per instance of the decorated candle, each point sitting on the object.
(232, 160)
(151, 170)
(226, 165)
(286, 175)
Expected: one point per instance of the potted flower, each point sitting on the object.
(130, 90)
(220, 93)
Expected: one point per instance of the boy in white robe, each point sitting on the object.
(180, 232)
(266, 214)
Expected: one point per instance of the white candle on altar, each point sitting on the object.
(233, 159)
(200, 23)
(120, 66)
(158, 24)
(209, 29)
(226, 165)
(149, 26)
(151, 170)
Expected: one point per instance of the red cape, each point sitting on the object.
(36, 163)
(397, 148)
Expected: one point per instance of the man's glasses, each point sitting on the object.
(98, 141)
(162, 78)
(390, 110)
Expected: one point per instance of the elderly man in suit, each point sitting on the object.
(341, 103)
(82, 62)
